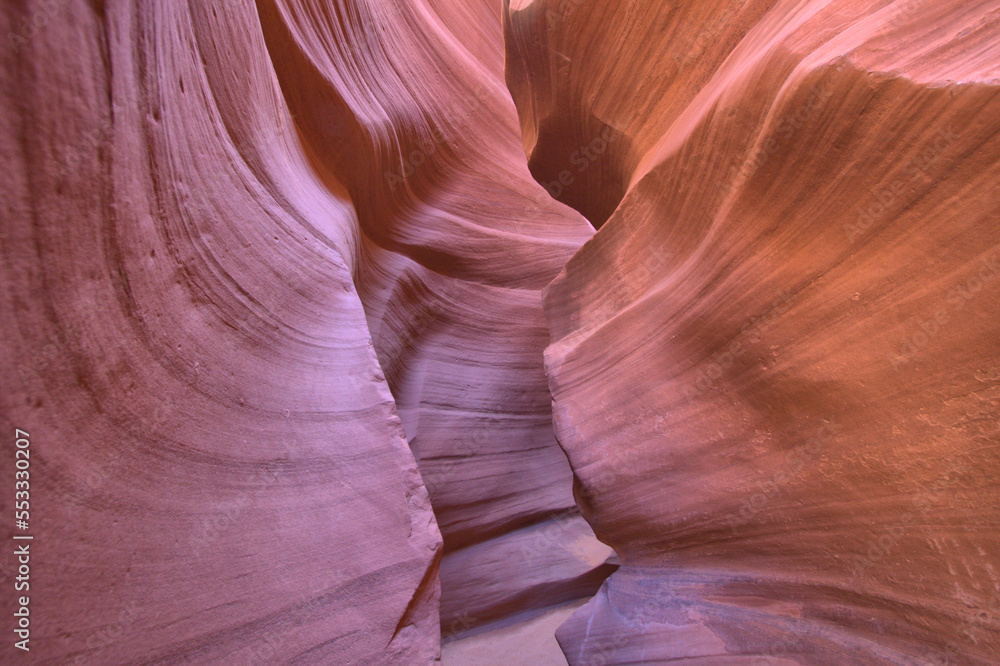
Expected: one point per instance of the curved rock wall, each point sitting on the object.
(218, 470)
(280, 276)
(457, 241)
(775, 367)
(598, 82)
(233, 230)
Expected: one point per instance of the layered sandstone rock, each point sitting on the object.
(218, 473)
(279, 278)
(775, 367)
(229, 232)
(457, 242)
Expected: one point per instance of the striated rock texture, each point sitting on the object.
(239, 239)
(776, 367)
(291, 288)
(218, 473)
(457, 241)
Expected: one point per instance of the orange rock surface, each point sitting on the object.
(776, 367)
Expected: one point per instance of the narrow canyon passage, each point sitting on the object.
(460, 338)
(550, 331)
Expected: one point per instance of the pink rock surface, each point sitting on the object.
(251, 252)
(218, 473)
(457, 241)
(290, 292)
(521, 572)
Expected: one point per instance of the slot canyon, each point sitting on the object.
(500, 332)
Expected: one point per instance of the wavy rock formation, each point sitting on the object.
(318, 363)
(598, 82)
(233, 230)
(457, 243)
(775, 367)
(218, 471)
